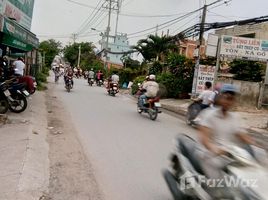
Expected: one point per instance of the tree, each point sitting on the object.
(129, 62)
(247, 70)
(155, 48)
(88, 57)
(50, 48)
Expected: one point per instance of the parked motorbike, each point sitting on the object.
(186, 179)
(12, 97)
(68, 83)
(151, 107)
(113, 89)
(90, 81)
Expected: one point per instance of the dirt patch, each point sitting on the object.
(71, 174)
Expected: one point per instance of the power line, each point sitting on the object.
(170, 21)
(138, 15)
(89, 19)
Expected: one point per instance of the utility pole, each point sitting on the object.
(156, 30)
(119, 4)
(74, 37)
(79, 56)
(107, 33)
(200, 43)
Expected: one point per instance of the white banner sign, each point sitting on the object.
(240, 47)
(205, 73)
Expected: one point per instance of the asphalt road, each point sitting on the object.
(127, 150)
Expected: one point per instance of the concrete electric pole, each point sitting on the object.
(200, 43)
(79, 56)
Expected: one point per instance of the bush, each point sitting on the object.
(135, 86)
(247, 70)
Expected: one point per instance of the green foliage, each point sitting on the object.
(50, 48)
(155, 48)
(156, 68)
(135, 86)
(88, 57)
(247, 70)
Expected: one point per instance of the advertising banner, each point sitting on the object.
(205, 73)
(20, 10)
(240, 47)
(16, 31)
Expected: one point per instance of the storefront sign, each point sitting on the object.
(15, 43)
(20, 10)
(240, 47)
(205, 73)
(11, 28)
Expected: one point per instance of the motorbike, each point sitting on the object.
(68, 83)
(12, 97)
(99, 83)
(90, 81)
(186, 178)
(151, 106)
(113, 89)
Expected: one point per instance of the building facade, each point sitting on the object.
(258, 31)
(188, 48)
(16, 39)
(118, 43)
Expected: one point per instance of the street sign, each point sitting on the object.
(212, 45)
(247, 48)
(205, 73)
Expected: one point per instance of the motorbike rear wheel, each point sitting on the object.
(19, 103)
(3, 106)
(153, 113)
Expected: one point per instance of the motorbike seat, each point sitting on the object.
(153, 99)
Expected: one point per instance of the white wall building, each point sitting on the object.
(118, 43)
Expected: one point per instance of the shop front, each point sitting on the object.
(16, 41)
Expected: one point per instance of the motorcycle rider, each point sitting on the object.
(69, 74)
(99, 76)
(218, 127)
(91, 74)
(205, 95)
(113, 79)
(151, 87)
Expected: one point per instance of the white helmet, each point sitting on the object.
(152, 77)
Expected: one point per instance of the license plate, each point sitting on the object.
(25, 93)
(157, 105)
(115, 88)
(7, 93)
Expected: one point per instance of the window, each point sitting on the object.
(117, 47)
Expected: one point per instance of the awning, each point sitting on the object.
(17, 36)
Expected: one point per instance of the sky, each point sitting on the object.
(60, 19)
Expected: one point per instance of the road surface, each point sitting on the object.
(127, 150)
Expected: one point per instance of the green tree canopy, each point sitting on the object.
(155, 48)
(247, 70)
(88, 56)
(50, 48)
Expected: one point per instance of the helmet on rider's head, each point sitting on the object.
(152, 77)
(91, 69)
(229, 88)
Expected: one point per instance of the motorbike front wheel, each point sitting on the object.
(173, 185)
(3, 106)
(18, 104)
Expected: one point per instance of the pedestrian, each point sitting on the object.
(19, 67)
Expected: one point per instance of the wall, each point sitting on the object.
(250, 91)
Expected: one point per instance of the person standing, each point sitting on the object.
(19, 67)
